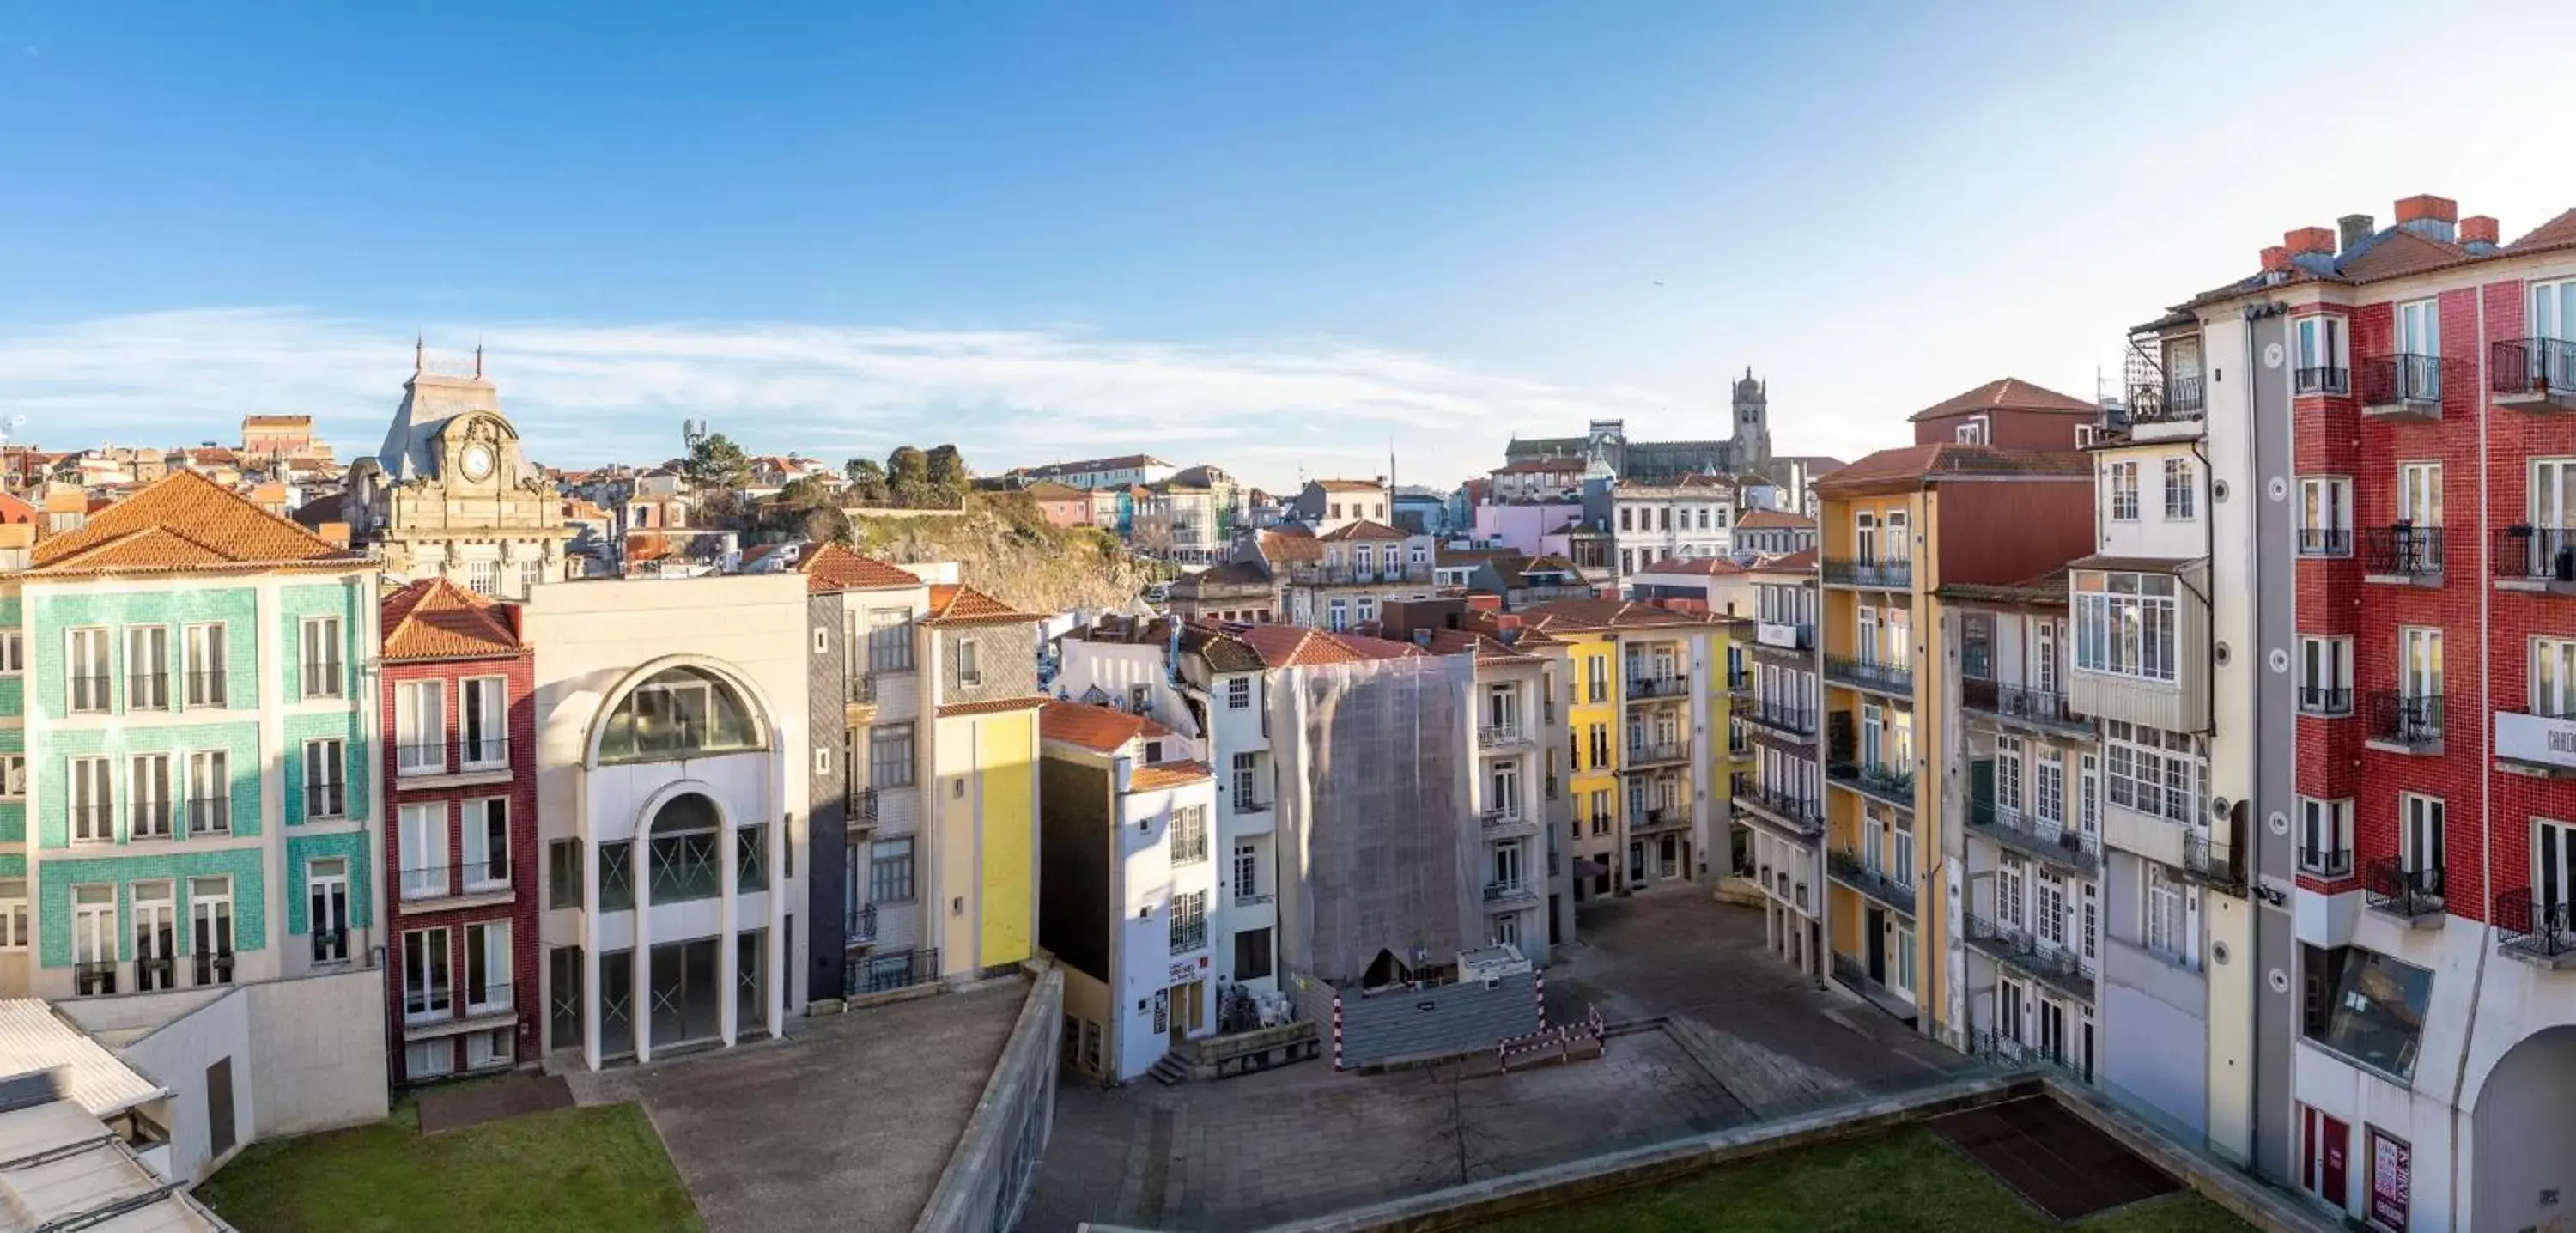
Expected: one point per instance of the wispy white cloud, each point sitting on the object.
(586, 393)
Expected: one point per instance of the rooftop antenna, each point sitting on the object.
(478, 359)
(419, 353)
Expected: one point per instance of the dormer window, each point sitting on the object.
(1153, 751)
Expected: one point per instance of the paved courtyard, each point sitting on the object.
(845, 1124)
(1710, 1031)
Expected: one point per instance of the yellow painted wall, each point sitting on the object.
(1584, 777)
(1007, 752)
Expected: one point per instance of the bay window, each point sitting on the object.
(2127, 624)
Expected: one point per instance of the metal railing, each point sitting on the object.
(1496, 892)
(156, 972)
(1851, 971)
(484, 754)
(213, 967)
(325, 800)
(323, 678)
(2391, 887)
(147, 691)
(148, 820)
(208, 687)
(87, 691)
(210, 815)
(1500, 818)
(1897, 574)
(2177, 400)
(443, 881)
(863, 804)
(2325, 542)
(1869, 673)
(1781, 717)
(494, 998)
(2539, 554)
(1349, 574)
(2322, 700)
(1847, 867)
(2533, 926)
(1496, 736)
(2021, 702)
(2402, 551)
(863, 689)
(330, 945)
(428, 1004)
(93, 823)
(2401, 379)
(1643, 687)
(1656, 754)
(93, 977)
(2408, 719)
(2044, 839)
(420, 757)
(2533, 367)
(2022, 948)
(2321, 380)
(1801, 814)
(1739, 682)
(901, 970)
(1885, 783)
(2212, 860)
(2325, 862)
(859, 925)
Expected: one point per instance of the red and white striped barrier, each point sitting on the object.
(1337, 1029)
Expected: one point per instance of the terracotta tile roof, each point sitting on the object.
(1912, 465)
(1579, 614)
(835, 568)
(993, 707)
(2396, 253)
(437, 619)
(964, 605)
(1773, 520)
(1290, 646)
(1223, 651)
(1230, 574)
(186, 521)
(1361, 529)
(1096, 728)
(1341, 485)
(2558, 232)
(2007, 394)
(1803, 561)
(1049, 490)
(1167, 775)
(1291, 545)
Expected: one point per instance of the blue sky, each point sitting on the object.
(1272, 237)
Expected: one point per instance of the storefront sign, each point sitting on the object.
(2536, 739)
(2392, 1180)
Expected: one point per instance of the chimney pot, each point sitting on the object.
(2355, 229)
(2276, 259)
(2309, 240)
(2425, 206)
(2478, 229)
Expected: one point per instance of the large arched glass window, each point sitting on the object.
(679, 712)
(683, 850)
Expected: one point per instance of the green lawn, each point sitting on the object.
(1909, 1180)
(594, 1168)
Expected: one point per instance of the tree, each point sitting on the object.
(948, 476)
(908, 477)
(867, 479)
(715, 461)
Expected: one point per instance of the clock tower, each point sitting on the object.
(452, 493)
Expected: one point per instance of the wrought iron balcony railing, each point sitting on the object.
(881, 973)
(1644, 687)
(1801, 814)
(2325, 542)
(2009, 943)
(2536, 554)
(2212, 860)
(1497, 736)
(1781, 717)
(2177, 400)
(1643, 754)
(1894, 575)
(2391, 887)
(1885, 783)
(2019, 702)
(2410, 552)
(2327, 380)
(2529, 925)
(1848, 868)
(2049, 841)
(2401, 380)
(2529, 371)
(1870, 674)
(2322, 700)
(859, 925)
(207, 687)
(2325, 862)
(2404, 718)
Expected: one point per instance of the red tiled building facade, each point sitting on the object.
(461, 871)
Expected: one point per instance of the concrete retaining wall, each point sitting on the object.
(995, 1163)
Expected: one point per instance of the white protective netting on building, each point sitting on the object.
(1375, 821)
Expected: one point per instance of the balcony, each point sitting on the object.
(433, 1004)
(2053, 842)
(2020, 706)
(1501, 736)
(1785, 635)
(2018, 948)
(859, 925)
(2402, 555)
(210, 816)
(1892, 575)
(87, 691)
(209, 688)
(416, 759)
(2534, 930)
(2325, 862)
(1895, 680)
(2179, 400)
(2401, 387)
(862, 690)
(1514, 891)
(1739, 684)
(1658, 818)
(213, 967)
(1845, 865)
(323, 678)
(1879, 783)
(2321, 700)
(1643, 756)
(93, 977)
(2542, 559)
(884, 973)
(2413, 896)
(1650, 688)
(1798, 815)
(862, 806)
(1503, 818)
(2325, 542)
(475, 755)
(2326, 381)
(2533, 374)
(1795, 722)
(2404, 723)
(2538, 742)
(2212, 862)
(324, 800)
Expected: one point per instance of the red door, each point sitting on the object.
(2332, 1139)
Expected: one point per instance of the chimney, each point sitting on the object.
(2434, 218)
(2478, 233)
(2356, 228)
(2311, 249)
(335, 534)
(2276, 260)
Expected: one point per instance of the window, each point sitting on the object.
(205, 666)
(2127, 624)
(147, 796)
(1973, 432)
(2419, 330)
(487, 967)
(890, 871)
(2377, 1011)
(13, 652)
(1189, 835)
(2325, 837)
(1238, 693)
(2088, 796)
(2324, 363)
(889, 640)
(1246, 786)
(1901, 869)
(1627, 515)
(1601, 811)
(970, 662)
(2325, 516)
(563, 873)
(1247, 872)
(1977, 645)
(890, 755)
(1503, 788)
(2167, 925)
(2048, 796)
(2419, 494)
(2008, 765)
(210, 793)
(423, 835)
(482, 715)
(2008, 900)
(210, 923)
(2154, 772)
(156, 938)
(2325, 675)
(487, 843)
(1189, 921)
(93, 801)
(1252, 955)
(2419, 667)
(85, 676)
(2420, 838)
(530, 574)
(13, 914)
(94, 928)
(2122, 479)
(2180, 498)
(147, 668)
(680, 712)
(2048, 910)
(2553, 864)
(483, 577)
(325, 794)
(420, 728)
(323, 677)
(326, 893)
(1900, 974)
(424, 976)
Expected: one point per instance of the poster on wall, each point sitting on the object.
(2392, 1180)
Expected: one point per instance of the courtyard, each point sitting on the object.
(1708, 1031)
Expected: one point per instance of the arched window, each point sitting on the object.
(683, 855)
(680, 712)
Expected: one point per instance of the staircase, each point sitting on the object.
(1170, 1069)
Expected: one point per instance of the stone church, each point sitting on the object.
(451, 492)
(1606, 449)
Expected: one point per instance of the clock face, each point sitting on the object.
(477, 461)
